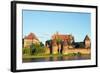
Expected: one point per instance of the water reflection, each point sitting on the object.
(57, 58)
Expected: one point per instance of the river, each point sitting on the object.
(57, 58)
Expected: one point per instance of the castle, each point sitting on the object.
(28, 40)
(60, 43)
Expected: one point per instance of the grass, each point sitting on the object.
(51, 55)
(40, 55)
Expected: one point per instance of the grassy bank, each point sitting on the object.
(51, 55)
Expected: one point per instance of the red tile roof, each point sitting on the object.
(62, 37)
(31, 36)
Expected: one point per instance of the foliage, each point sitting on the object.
(41, 44)
(79, 45)
(58, 40)
(78, 54)
(48, 41)
(26, 51)
(74, 54)
(37, 49)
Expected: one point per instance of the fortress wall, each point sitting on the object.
(81, 50)
(55, 49)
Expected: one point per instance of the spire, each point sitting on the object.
(86, 38)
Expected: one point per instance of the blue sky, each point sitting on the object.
(45, 23)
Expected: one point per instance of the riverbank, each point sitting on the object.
(51, 55)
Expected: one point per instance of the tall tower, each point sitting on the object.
(87, 42)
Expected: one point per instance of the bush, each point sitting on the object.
(79, 45)
(41, 44)
(78, 54)
(26, 51)
(37, 49)
(74, 54)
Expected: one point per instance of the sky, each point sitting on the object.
(45, 23)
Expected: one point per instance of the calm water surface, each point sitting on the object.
(57, 58)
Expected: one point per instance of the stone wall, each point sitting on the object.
(28, 42)
(55, 49)
(87, 44)
(76, 50)
(66, 50)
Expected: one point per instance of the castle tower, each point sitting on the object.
(87, 42)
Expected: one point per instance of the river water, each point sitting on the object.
(57, 58)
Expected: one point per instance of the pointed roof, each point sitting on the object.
(31, 36)
(86, 38)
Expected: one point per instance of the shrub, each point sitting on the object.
(37, 49)
(26, 51)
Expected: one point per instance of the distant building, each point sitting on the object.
(62, 37)
(87, 42)
(60, 42)
(28, 40)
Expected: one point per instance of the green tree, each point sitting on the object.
(41, 44)
(32, 47)
(48, 41)
(37, 49)
(58, 40)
